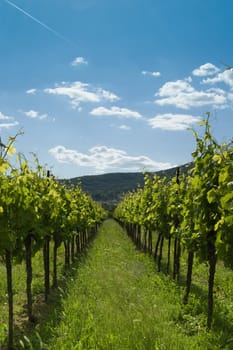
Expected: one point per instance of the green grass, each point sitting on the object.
(117, 300)
(113, 298)
(19, 289)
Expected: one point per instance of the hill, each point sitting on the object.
(109, 188)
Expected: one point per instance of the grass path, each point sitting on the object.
(117, 301)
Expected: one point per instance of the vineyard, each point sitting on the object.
(180, 225)
(192, 213)
(37, 213)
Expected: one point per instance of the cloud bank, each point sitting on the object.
(206, 69)
(182, 94)
(116, 111)
(173, 122)
(103, 158)
(78, 92)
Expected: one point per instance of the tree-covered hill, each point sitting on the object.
(109, 188)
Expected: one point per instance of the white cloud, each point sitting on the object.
(174, 88)
(116, 111)
(205, 70)
(223, 77)
(31, 91)
(153, 74)
(103, 158)
(107, 95)
(217, 91)
(173, 122)
(35, 115)
(230, 96)
(79, 92)
(124, 127)
(182, 94)
(6, 125)
(5, 117)
(79, 61)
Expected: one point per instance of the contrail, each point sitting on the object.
(57, 34)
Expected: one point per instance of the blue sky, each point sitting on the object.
(102, 86)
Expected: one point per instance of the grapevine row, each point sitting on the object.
(36, 210)
(192, 212)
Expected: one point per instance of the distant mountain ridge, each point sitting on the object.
(109, 188)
